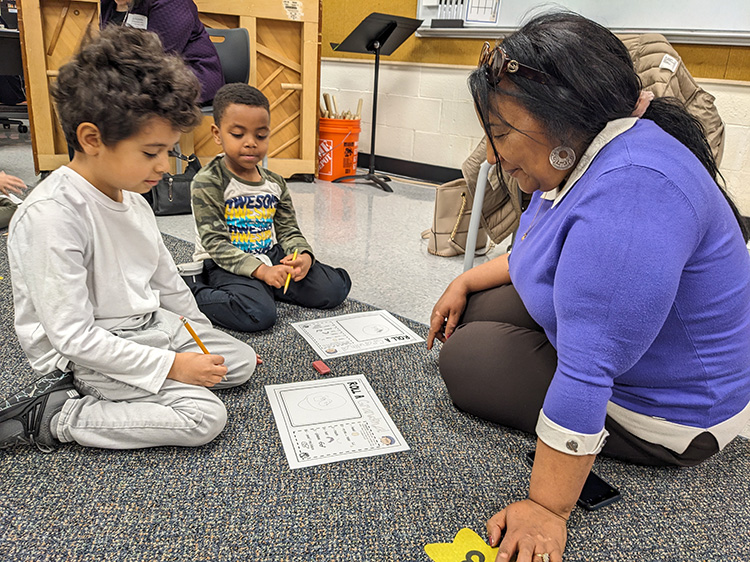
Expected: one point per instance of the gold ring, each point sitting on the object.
(544, 557)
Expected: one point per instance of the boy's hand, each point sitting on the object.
(198, 369)
(301, 265)
(275, 276)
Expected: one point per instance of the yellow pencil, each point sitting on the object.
(195, 336)
(289, 275)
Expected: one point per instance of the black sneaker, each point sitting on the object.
(25, 417)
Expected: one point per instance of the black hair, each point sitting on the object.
(594, 83)
(120, 79)
(237, 92)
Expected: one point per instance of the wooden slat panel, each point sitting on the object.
(276, 128)
(704, 60)
(64, 29)
(57, 26)
(69, 28)
(738, 65)
(270, 78)
(277, 56)
(51, 32)
(311, 93)
(35, 75)
(219, 21)
(279, 61)
(266, 9)
(251, 24)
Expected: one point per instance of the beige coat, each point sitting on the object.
(662, 72)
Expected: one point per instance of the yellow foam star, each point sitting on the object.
(467, 546)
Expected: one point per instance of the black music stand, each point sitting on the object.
(380, 34)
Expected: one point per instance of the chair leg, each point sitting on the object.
(476, 213)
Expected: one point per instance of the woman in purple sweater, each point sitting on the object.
(620, 322)
(181, 32)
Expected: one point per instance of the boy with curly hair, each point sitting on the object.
(98, 300)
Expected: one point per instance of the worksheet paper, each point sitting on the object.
(355, 333)
(332, 420)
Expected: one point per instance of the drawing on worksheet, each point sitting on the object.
(355, 333)
(483, 11)
(332, 420)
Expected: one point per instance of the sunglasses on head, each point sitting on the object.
(498, 63)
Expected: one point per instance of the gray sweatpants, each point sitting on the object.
(114, 415)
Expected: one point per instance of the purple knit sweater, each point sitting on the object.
(177, 25)
(641, 280)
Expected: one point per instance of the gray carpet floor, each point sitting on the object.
(237, 499)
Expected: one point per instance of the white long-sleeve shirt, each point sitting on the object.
(83, 265)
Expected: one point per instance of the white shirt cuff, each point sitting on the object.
(569, 442)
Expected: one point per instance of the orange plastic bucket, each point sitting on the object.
(338, 148)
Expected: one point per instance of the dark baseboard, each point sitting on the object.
(419, 171)
(408, 169)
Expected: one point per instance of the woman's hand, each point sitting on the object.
(537, 525)
(447, 312)
(451, 305)
(530, 530)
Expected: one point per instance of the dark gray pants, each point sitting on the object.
(499, 363)
(249, 305)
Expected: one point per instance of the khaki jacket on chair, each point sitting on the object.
(661, 71)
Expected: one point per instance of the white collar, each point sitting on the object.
(607, 134)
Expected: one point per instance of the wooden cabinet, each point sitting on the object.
(285, 66)
(51, 30)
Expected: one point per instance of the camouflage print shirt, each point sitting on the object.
(238, 221)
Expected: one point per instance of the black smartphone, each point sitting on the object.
(596, 492)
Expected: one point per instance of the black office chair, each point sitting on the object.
(11, 64)
(233, 46)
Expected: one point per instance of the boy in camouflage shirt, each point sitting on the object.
(247, 231)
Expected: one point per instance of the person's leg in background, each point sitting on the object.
(7, 208)
(11, 90)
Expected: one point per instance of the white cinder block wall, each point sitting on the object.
(425, 115)
(424, 112)
(733, 103)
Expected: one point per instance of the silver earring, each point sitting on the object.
(562, 158)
